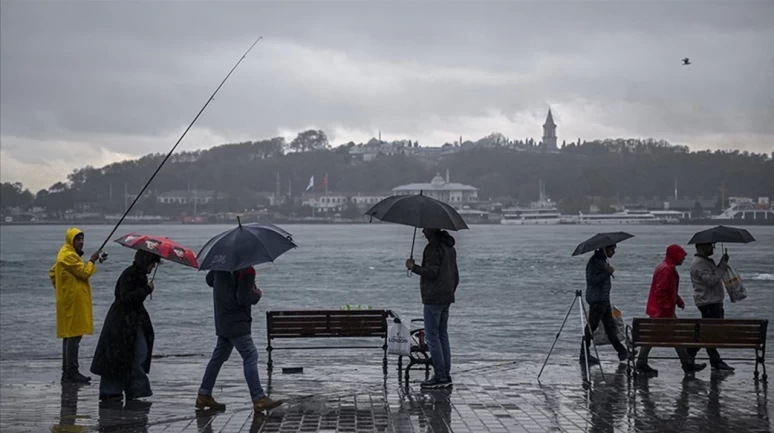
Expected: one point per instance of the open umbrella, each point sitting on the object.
(243, 246)
(163, 247)
(418, 211)
(601, 240)
(722, 234)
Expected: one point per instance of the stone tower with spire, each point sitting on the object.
(549, 133)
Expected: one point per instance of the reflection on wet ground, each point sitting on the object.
(331, 395)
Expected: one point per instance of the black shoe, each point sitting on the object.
(693, 368)
(645, 368)
(435, 383)
(75, 378)
(722, 366)
(105, 398)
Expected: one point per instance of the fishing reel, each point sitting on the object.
(103, 257)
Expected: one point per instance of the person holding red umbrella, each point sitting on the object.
(123, 354)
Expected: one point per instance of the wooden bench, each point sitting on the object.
(699, 334)
(327, 324)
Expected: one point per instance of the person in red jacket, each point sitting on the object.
(662, 300)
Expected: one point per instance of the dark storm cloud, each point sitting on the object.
(112, 79)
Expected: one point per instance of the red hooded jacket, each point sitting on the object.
(663, 295)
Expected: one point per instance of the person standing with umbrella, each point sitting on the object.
(438, 272)
(230, 258)
(439, 278)
(598, 284)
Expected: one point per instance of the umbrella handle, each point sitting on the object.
(153, 277)
(411, 256)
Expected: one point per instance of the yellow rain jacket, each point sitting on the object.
(70, 277)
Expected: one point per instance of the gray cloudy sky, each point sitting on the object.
(86, 82)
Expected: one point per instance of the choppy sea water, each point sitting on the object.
(516, 285)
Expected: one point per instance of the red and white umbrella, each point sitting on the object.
(163, 247)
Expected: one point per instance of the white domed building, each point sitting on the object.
(441, 189)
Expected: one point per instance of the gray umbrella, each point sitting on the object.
(243, 246)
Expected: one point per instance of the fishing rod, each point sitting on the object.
(104, 255)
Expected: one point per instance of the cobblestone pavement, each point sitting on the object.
(331, 396)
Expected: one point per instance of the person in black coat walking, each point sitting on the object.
(123, 354)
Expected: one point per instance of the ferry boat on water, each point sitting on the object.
(619, 218)
(741, 212)
(540, 212)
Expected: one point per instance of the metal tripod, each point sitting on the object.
(584, 322)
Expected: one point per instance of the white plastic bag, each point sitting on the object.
(734, 285)
(398, 340)
(600, 337)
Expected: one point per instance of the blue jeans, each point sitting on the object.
(138, 384)
(244, 345)
(437, 338)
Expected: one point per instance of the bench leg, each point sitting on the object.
(269, 349)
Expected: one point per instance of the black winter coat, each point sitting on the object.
(114, 355)
(438, 273)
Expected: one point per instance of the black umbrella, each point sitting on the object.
(601, 240)
(722, 234)
(418, 211)
(243, 246)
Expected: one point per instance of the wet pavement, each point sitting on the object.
(333, 395)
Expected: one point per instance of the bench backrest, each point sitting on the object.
(326, 323)
(718, 333)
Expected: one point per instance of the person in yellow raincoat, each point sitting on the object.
(74, 319)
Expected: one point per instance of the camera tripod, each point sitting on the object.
(584, 322)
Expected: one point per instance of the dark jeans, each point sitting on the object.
(245, 346)
(437, 338)
(138, 384)
(711, 311)
(70, 348)
(601, 311)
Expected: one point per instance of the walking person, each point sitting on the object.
(662, 300)
(125, 346)
(234, 294)
(598, 285)
(438, 283)
(74, 318)
(709, 293)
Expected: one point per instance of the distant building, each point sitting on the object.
(338, 201)
(549, 133)
(186, 197)
(441, 189)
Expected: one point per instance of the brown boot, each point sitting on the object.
(265, 403)
(206, 401)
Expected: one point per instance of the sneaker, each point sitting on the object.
(693, 368)
(265, 403)
(207, 402)
(722, 366)
(645, 368)
(435, 383)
